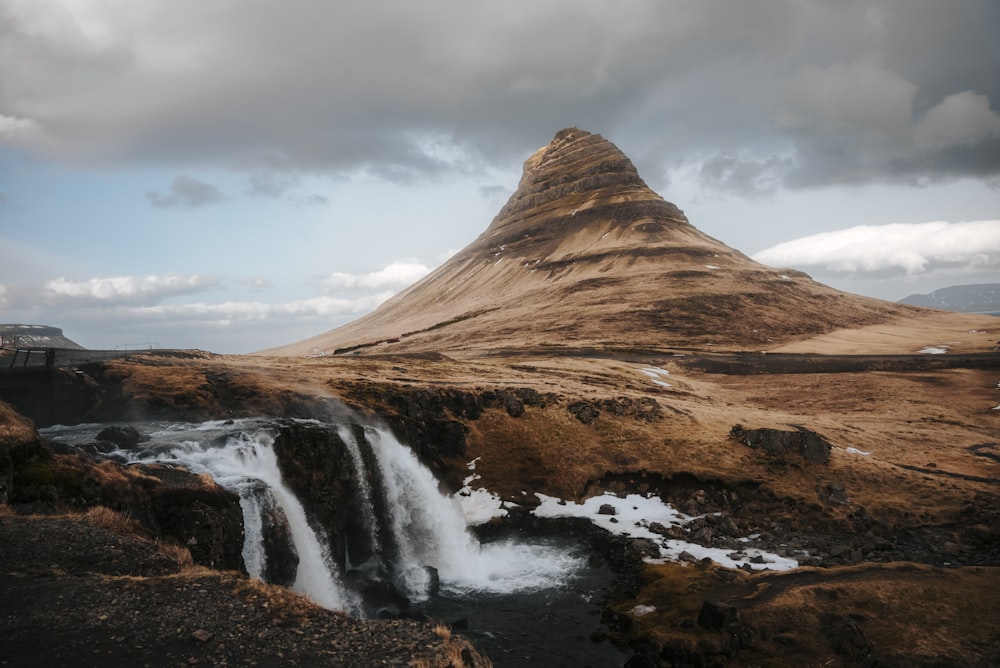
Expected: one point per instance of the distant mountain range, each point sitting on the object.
(976, 298)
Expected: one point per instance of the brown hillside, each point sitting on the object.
(586, 255)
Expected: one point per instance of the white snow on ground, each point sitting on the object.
(633, 515)
(711, 266)
(934, 350)
(656, 373)
(855, 451)
(479, 505)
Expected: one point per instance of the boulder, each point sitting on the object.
(717, 616)
(782, 443)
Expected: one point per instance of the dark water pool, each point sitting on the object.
(552, 627)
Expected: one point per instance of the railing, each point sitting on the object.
(22, 357)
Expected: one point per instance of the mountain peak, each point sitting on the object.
(584, 255)
(571, 182)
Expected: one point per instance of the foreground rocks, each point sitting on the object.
(80, 593)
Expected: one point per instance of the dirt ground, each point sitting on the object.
(84, 592)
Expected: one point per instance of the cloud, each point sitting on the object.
(16, 129)
(187, 192)
(127, 289)
(247, 311)
(270, 184)
(905, 249)
(257, 282)
(961, 119)
(880, 91)
(744, 176)
(397, 274)
(311, 200)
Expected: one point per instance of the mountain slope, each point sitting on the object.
(586, 255)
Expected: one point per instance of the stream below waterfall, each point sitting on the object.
(407, 547)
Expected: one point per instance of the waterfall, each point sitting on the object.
(428, 529)
(245, 462)
(403, 537)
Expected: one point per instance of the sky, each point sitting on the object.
(231, 176)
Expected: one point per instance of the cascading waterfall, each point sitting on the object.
(428, 529)
(411, 533)
(245, 463)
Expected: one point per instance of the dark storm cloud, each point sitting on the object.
(753, 96)
(186, 192)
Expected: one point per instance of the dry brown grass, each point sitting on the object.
(114, 521)
(455, 653)
(180, 554)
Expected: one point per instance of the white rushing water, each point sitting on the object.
(243, 463)
(430, 529)
(419, 526)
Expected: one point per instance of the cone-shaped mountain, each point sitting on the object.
(584, 255)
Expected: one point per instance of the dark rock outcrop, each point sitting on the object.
(780, 443)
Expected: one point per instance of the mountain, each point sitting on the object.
(976, 298)
(35, 336)
(585, 255)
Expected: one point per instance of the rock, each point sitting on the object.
(740, 636)
(640, 661)
(717, 616)
(839, 550)
(846, 637)
(607, 509)
(781, 443)
(583, 411)
(433, 580)
(124, 437)
(201, 635)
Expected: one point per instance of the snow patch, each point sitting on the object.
(711, 266)
(855, 451)
(632, 517)
(934, 350)
(655, 373)
(479, 505)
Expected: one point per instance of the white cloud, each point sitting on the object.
(228, 312)
(257, 282)
(19, 131)
(398, 274)
(128, 289)
(905, 248)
